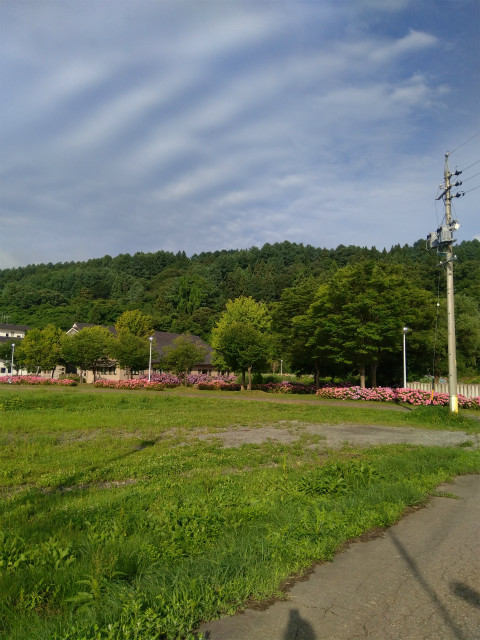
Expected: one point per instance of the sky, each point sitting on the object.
(199, 125)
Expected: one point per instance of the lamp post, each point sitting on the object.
(150, 360)
(405, 329)
(281, 368)
(13, 351)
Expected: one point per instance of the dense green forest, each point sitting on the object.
(188, 294)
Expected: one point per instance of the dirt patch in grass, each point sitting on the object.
(337, 436)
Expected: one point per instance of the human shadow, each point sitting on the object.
(417, 574)
(466, 593)
(298, 628)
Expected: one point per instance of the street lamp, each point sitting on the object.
(405, 329)
(13, 351)
(150, 360)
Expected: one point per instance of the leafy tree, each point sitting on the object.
(131, 352)
(40, 349)
(88, 349)
(360, 313)
(242, 337)
(136, 322)
(185, 352)
(243, 348)
(467, 330)
(293, 328)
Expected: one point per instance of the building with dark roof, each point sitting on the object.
(162, 340)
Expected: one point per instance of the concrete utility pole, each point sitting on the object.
(443, 240)
(449, 258)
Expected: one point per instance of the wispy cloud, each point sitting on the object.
(196, 126)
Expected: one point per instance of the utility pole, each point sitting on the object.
(443, 240)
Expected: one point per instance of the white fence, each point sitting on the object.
(467, 390)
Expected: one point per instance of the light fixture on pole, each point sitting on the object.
(13, 351)
(405, 330)
(150, 360)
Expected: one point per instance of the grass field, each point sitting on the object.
(117, 522)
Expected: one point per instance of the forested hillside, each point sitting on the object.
(188, 294)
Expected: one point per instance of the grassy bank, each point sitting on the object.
(116, 522)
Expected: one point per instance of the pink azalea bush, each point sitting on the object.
(37, 380)
(386, 394)
(131, 385)
(169, 380)
(285, 387)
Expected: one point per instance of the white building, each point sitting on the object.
(11, 333)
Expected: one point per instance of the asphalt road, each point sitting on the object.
(420, 580)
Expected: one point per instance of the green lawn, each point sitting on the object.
(116, 522)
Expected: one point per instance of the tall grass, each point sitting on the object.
(116, 523)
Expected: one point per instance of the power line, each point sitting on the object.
(466, 141)
(475, 174)
(464, 192)
(470, 165)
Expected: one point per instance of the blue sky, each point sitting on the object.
(200, 125)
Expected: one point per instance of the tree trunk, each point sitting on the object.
(361, 370)
(373, 373)
(242, 386)
(249, 378)
(317, 374)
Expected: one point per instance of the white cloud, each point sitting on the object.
(226, 124)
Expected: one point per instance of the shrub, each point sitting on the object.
(38, 380)
(386, 394)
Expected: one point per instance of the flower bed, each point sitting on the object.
(386, 394)
(168, 380)
(37, 380)
(132, 385)
(286, 387)
(218, 385)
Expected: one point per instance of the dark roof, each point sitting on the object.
(14, 327)
(163, 339)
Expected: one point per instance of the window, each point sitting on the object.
(107, 371)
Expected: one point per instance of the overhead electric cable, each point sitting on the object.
(470, 165)
(477, 187)
(466, 141)
(475, 174)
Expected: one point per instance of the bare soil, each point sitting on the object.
(340, 435)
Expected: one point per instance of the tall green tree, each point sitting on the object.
(184, 353)
(136, 322)
(88, 349)
(40, 349)
(242, 337)
(132, 352)
(292, 328)
(360, 312)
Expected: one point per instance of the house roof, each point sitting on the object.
(163, 339)
(13, 327)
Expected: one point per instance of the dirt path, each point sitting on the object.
(336, 436)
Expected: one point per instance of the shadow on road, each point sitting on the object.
(298, 628)
(466, 593)
(430, 591)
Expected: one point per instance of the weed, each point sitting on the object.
(117, 524)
